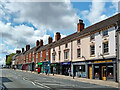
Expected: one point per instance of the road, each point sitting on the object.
(19, 79)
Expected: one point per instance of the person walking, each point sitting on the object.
(69, 71)
(54, 69)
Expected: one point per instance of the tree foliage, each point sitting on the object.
(9, 59)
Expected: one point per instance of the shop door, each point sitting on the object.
(90, 72)
(103, 72)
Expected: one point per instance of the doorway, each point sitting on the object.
(90, 72)
(103, 72)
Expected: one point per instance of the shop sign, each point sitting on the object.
(102, 61)
(53, 64)
(66, 63)
(40, 63)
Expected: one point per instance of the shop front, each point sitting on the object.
(80, 69)
(65, 67)
(33, 66)
(20, 66)
(46, 67)
(103, 70)
(40, 67)
(56, 66)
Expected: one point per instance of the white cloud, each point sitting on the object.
(96, 12)
(53, 16)
(19, 36)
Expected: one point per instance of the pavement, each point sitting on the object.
(86, 80)
(23, 79)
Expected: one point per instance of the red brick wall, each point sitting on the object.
(28, 57)
(35, 57)
(49, 54)
(38, 56)
(43, 55)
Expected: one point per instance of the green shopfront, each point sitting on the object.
(43, 67)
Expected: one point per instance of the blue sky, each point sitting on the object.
(24, 23)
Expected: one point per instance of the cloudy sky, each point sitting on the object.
(23, 23)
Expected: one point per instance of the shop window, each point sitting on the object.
(96, 71)
(66, 55)
(92, 50)
(78, 53)
(105, 47)
(110, 72)
(92, 37)
(105, 33)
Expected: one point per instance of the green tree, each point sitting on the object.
(9, 59)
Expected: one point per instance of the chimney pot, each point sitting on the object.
(57, 36)
(80, 25)
(27, 47)
(50, 40)
(37, 43)
(22, 49)
(41, 42)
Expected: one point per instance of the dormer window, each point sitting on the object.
(92, 37)
(105, 33)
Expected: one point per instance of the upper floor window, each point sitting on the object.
(59, 55)
(92, 37)
(105, 33)
(78, 53)
(66, 54)
(47, 55)
(41, 56)
(54, 57)
(53, 49)
(66, 45)
(92, 50)
(78, 41)
(59, 47)
(33, 57)
(105, 47)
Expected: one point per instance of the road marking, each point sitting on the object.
(37, 85)
(42, 85)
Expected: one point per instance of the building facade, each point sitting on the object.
(89, 53)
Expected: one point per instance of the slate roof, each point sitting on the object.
(109, 21)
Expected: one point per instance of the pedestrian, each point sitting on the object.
(69, 71)
(46, 71)
(54, 69)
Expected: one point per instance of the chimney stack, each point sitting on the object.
(22, 49)
(50, 40)
(57, 36)
(41, 42)
(27, 47)
(37, 43)
(80, 25)
(18, 51)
